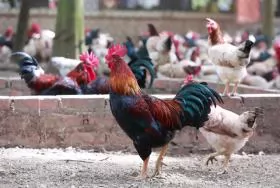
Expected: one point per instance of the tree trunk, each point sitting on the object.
(268, 17)
(69, 39)
(21, 33)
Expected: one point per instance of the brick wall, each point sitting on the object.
(134, 21)
(86, 122)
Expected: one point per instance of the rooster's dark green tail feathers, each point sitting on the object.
(24, 59)
(196, 100)
(135, 66)
(216, 95)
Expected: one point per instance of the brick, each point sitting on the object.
(4, 104)
(173, 85)
(97, 129)
(13, 92)
(3, 83)
(18, 85)
(159, 84)
(49, 105)
(26, 105)
(91, 105)
(5, 92)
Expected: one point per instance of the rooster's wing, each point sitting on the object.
(64, 86)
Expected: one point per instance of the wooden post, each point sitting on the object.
(69, 39)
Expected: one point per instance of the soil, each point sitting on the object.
(73, 168)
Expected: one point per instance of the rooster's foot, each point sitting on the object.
(158, 169)
(156, 173)
(211, 159)
(222, 172)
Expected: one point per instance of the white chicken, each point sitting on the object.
(261, 68)
(62, 66)
(100, 48)
(5, 53)
(255, 80)
(40, 44)
(190, 65)
(230, 60)
(227, 132)
(160, 48)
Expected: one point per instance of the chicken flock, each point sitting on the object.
(122, 71)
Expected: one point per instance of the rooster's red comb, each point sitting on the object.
(89, 58)
(117, 49)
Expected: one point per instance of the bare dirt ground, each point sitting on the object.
(77, 168)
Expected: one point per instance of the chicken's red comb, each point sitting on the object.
(117, 49)
(89, 58)
(188, 79)
(9, 31)
(209, 20)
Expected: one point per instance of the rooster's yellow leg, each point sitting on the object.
(143, 174)
(226, 90)
(212, 157)
(159, 160)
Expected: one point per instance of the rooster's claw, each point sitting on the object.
(222, 172)
(211, 159)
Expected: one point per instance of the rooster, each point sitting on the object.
(230, 60)
(227, 132)
(148, 121)
(138, 63)
(49, 84)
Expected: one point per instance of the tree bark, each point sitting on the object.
(69, 39)
(268, 17)
(22, 25)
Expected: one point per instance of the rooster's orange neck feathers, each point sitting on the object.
(122, 80)
(216, 37)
